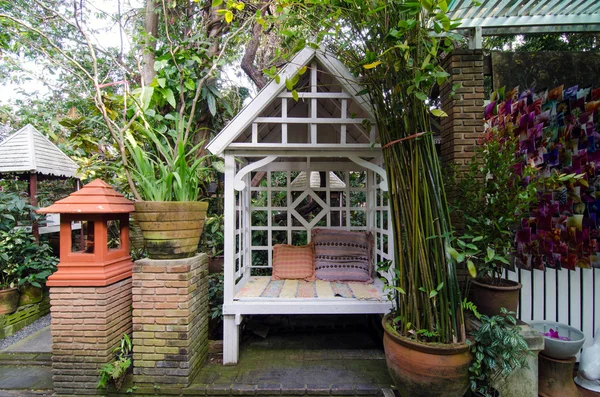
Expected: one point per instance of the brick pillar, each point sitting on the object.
(464, 123)
(170, 320)
(87, 324)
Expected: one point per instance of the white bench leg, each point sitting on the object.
(231, 340)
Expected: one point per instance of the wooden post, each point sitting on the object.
(35, 229)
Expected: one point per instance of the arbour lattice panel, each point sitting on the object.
(287, 205)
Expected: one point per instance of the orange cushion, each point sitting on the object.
(294, 262)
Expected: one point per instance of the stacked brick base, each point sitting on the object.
(170, 320)
(87, 324)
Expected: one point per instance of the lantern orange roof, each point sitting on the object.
(96, 197)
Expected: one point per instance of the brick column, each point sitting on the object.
(87, 324)
(170, 320)
(464, 123)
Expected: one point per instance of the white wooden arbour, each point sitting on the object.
(321, 152)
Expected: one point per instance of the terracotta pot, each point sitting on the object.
(30, 294)
(171, 229)
(490, 298)
(215, 264)
(9, 300)
(426, 369)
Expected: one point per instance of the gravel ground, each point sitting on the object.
(25, 332)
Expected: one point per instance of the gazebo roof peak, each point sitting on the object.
(28, 151)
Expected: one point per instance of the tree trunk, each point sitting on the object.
(247, 63)
(151, 29)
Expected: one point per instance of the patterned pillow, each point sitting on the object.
(294, 262)
(342, 255)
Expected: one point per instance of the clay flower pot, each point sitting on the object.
(426, 369)
(171, 229)
(490, 298)
(9, 300)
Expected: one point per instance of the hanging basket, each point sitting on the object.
(171, 229)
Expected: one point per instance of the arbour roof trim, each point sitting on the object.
(270, 92)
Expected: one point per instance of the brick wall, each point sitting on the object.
(464, 123)
(170, 320)
(87, 324)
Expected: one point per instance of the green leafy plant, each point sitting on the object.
(214, 235)
(114, 372)
(172, 172)
(215, 295)
(498, 349)
(23, 260)
(492, 197)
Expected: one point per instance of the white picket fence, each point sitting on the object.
(569, 297)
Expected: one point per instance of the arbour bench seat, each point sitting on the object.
(259, 295)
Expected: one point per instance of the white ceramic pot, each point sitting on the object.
(556, 348)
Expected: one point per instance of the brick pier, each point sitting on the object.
(87, 324)
(170, 321)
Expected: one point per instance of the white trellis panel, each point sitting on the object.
(567, 296)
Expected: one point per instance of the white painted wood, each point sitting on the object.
(313, 119)
(538, 295)
(306, 306)
(596, 300)
(254, 133)
(587, 306)
(231, 340)
(563, 298)
(229, 230)
(575, 298)
(284, 115)
(239, 184)
(550, 298)
(526, 304)
(364, 163)
(304, 150)
(318, 95)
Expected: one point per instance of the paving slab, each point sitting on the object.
(38, 342)
(25, 377)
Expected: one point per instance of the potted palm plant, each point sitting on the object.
(393, 46)
(169, 176)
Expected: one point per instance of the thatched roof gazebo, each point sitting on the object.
(33, 157)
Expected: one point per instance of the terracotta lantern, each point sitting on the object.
(98, 255)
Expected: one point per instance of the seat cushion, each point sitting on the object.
(294, 262)
(342, 255)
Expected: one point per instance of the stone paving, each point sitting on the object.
(292, 360)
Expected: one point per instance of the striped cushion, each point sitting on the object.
(342, 255)
(294, 262)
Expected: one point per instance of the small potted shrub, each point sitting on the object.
(492, 195)
(34, 271)
(498, 349)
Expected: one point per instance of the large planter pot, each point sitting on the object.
(30, 294)
(9, 300)
(171, 229)
(490, 298)
(426, 369)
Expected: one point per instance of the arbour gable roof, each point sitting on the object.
(271, 91)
